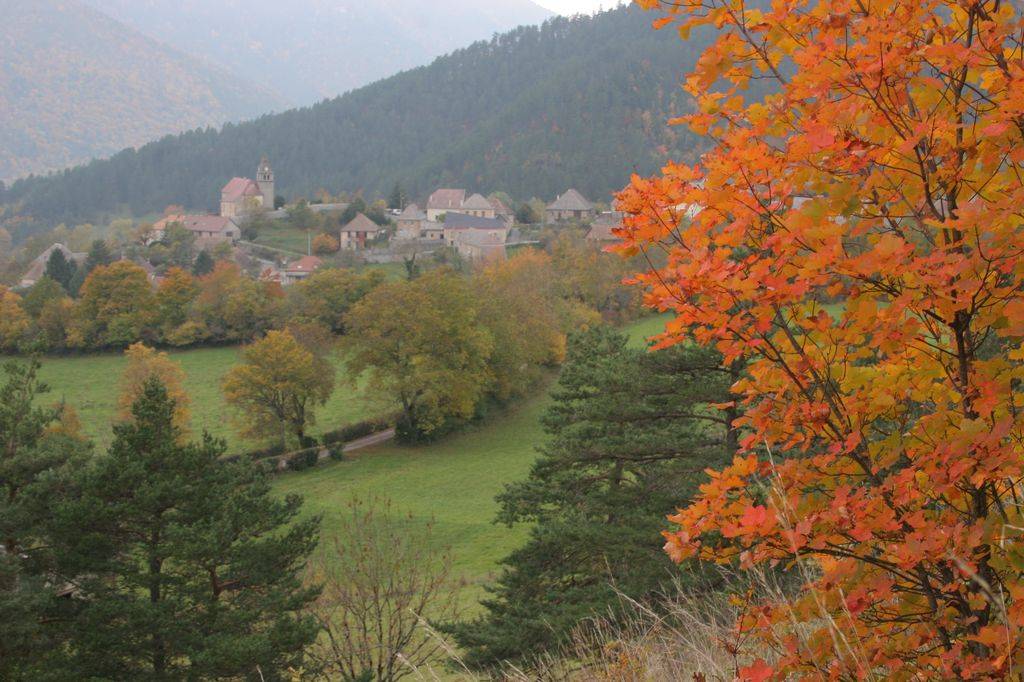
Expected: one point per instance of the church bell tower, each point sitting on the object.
(265, 181)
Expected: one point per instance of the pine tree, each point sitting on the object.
(203, 264)
(99, 255)
(61, 270)
(35, 463)
(186, 567)
(629, 434)
(397, 200)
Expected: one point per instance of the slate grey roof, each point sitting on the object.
(462, 221)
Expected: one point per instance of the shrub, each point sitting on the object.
(304, 459)
(336, 451)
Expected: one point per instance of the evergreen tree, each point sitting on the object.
(99, 255)
(35, 461)
(186, 567)
(203, 264)
(397, 200)
(629, 433)
(61, 270)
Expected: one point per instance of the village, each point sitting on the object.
(475, 227)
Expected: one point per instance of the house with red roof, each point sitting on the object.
(298, 270)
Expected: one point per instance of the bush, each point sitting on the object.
(336, 451)
(304, 459)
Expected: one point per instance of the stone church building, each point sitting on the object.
(244, 195)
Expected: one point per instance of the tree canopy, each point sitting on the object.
(855, 238)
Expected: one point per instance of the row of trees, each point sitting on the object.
(117, 306)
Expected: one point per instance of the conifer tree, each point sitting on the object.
(35, 464)
(185, 567)
(61, 270)
(629, 431)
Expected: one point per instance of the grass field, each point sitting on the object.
(453, 482)
(90, 385)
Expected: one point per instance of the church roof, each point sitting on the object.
(477, 202)
(571, 201)
(361, 224)
(239, 188)
(446, 199)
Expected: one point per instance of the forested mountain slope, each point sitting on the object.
(578, 103)
(75, 84)
(312, 49)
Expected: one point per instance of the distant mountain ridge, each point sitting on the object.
(315, 49)
(75, 84)
(575, 103)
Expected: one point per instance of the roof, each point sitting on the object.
(461, 221)
(197, 223)
(477, 202)
(361, 224)
(500, 207)
(304, 264)
(238, 188)
(412, 212)
(446, 199)
(571, 201)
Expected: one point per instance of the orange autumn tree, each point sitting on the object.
(856, 238)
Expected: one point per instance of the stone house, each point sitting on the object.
(358, 232)
(570, 207)
(478, 206)
(456, 223)
(410, 223)
(209, 230)
(444, 201)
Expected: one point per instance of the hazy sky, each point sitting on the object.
(574, 6)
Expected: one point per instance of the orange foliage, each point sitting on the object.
(856, 238)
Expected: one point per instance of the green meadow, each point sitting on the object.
(91, 384)
(452, 482)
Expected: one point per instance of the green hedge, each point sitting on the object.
(358, 430)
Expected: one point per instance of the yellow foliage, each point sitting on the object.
(145, 363)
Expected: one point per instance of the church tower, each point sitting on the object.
(265, 181)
